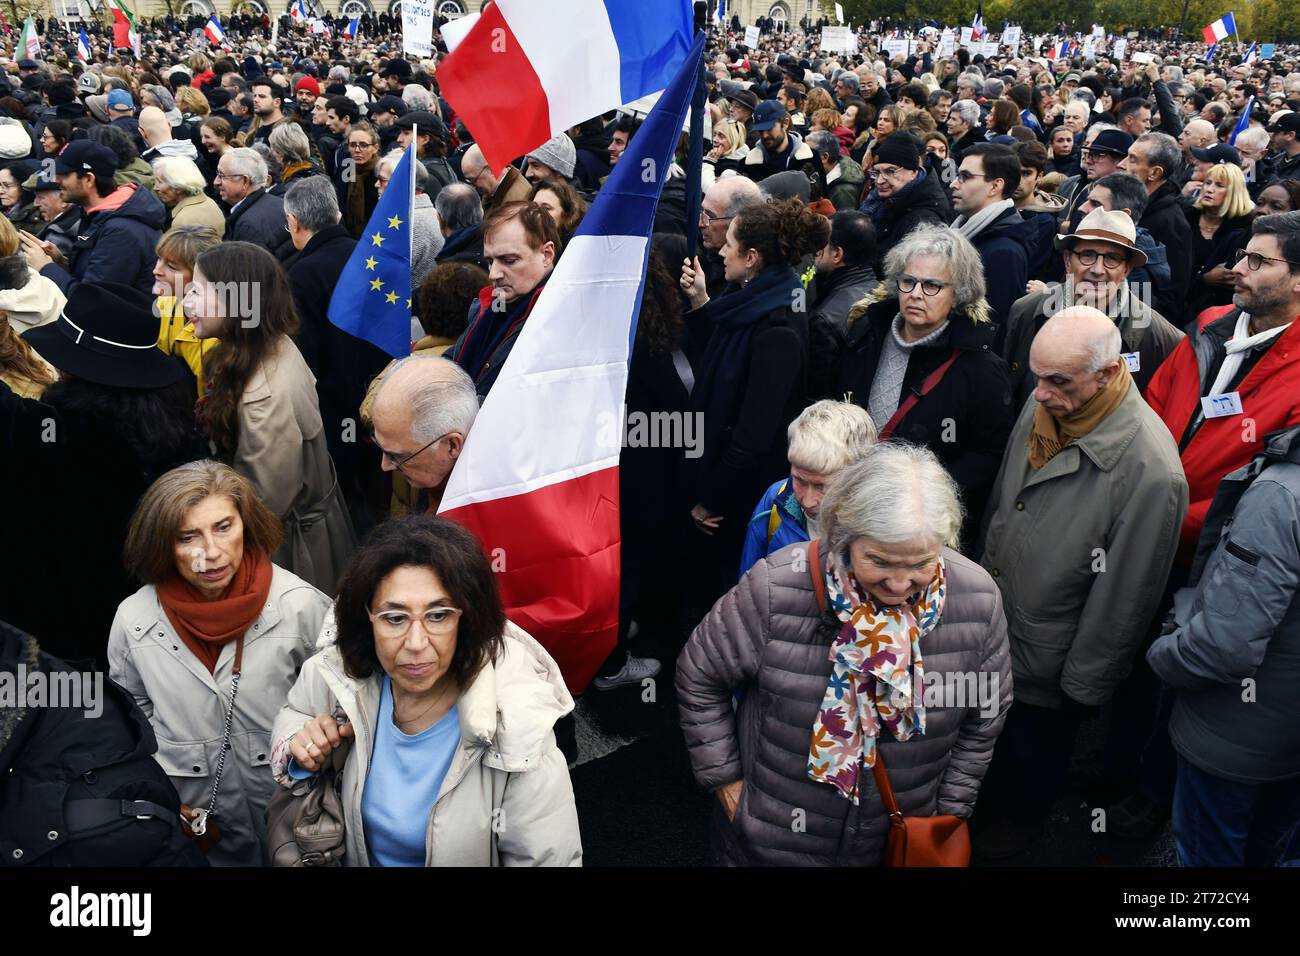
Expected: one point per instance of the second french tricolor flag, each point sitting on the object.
(538, 481)
(527, 70)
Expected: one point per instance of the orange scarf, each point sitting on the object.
(1050, 434)
(207, 626)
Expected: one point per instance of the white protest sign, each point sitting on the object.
(1011, 36)
(1089, 47)
(417, 27)
(1098, 31)
(966, 34)
(1120, 46)
(947, 47)
(751, 37)
(895, 48)
(839, 13)
(989, 49)
(839, 38)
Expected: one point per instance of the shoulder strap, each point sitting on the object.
(815, 572)
(774, 516)
(931, 380)
(883, 784)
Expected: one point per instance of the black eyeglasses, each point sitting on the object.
(1255, 261)
(708, 218)
(965, 175)
(399, 460)
(906, 283)
(1088, 257)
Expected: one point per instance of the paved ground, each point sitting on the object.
(640, 806)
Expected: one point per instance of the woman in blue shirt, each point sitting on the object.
(446, 710)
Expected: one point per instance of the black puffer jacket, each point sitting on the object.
(767, 638)
(922, 201)
(80, 788)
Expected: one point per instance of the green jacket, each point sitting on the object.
(1081, 550)
(844, 184)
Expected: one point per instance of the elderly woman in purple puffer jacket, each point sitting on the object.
(908, 664)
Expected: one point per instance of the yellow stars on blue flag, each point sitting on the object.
(372, 299)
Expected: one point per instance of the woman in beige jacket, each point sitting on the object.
(446, 711)
(260, 405)
(213, 604)
(179, 184)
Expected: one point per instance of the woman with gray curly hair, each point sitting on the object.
(876, 650)
(919, 358)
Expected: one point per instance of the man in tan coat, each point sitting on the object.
(1083, 524)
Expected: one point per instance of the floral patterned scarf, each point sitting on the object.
(878, 677)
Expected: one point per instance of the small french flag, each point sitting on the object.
(215, 34)
(352, 29)
(298, 12)
(83, 48)
(1251, 54)
(1220, 29)
(1243, 123)
(1058, 50)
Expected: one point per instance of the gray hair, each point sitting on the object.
(180, 174)
(313, 202)
(416, 97)
(1083, 95)
(245, 161)
(448, 404)
(829, 435)
(1175, 73)
(161, 95)
(850, 80)
(339, 74)
(290, 142)
(971, 81)
(1163, 151)
(458, 206)
(824, 142)
(993, 88)
(968, 110)
(394, 156)
(737, 192)
(1255, 137)
(897, 493)
(964, 263)
(1127, 192)
(1105, 348)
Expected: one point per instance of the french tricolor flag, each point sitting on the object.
(83, 47)
(298, 12)
(527, 71)
(1251, 54)
(1058, 50)
(215, 34)
(352, 29)
(538, 481)
(1221, 28)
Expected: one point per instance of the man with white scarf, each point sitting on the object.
(983, 197)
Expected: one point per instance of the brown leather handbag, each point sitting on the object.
(942, 840)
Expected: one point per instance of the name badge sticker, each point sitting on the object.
(1221, 406)
(1133, 360)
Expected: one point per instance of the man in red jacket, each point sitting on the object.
(1233, 381)
(1237, 378)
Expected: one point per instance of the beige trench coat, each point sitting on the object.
(282, 452)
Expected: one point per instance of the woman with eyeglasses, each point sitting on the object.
(1220, 221)
(750, 379)
(920, 360)
(361, 194)
(261, 409)
(210, 646)
(442, 709)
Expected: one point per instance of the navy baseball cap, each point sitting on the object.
(767, 115)
(83, 156)
(1219, 154)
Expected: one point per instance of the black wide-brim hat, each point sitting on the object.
(107, 334)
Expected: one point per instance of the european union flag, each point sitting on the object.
(373, 297)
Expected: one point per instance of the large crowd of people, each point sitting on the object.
(990, 358)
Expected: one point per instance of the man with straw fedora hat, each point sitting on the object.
(1098, 256)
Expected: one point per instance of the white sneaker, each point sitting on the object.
(634, 671)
